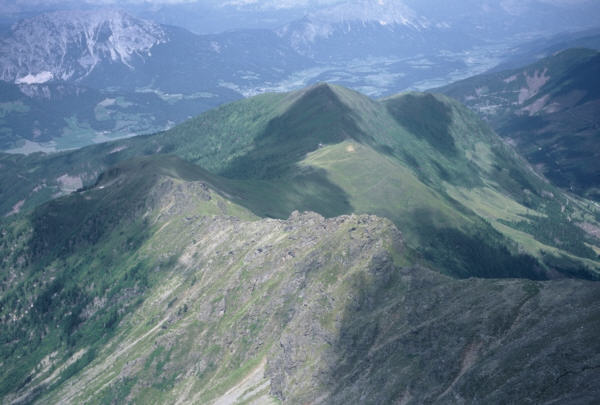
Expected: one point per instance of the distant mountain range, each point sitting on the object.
(117, 75)
(488, 17)
(550, 111)
(362, 29)
(136, 76)
(69, 46)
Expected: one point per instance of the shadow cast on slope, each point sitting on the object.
(303, 189)
(84, 276)
(411, 335)
(316, 119)
(427, 117)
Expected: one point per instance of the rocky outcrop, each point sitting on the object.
(332, 311)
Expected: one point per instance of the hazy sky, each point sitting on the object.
(209, 16)
(25, 4)
(268, 3)
(16, 5)
(21, 5)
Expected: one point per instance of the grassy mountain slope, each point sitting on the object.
(153, 286)
(467, 203)
(453, 167)
(76, 265)
(549, 111)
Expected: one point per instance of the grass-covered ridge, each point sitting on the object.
(422, 160)
(212, 305)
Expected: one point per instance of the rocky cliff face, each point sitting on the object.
(69, 45)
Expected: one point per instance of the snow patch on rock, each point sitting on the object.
(39, 78)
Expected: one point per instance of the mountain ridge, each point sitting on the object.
(450, 178)
(317, 246)
(312, 246)
(220, 305)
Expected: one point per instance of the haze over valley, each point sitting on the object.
(80, 76)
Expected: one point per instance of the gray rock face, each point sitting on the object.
(69, 45)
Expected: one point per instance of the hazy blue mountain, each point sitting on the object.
(493, 20)
(109, 48)
(70, 45)
(488, 17)
(530, 52)
(369, 29)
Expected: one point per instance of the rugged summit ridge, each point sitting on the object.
(188, 297)
(377, 28)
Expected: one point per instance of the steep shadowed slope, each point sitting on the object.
(549, 111)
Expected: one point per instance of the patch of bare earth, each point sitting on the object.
(537, 106)
(16, 208)
(534, 84)
(69, 183)
(591, 229)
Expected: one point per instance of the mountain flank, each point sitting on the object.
(549, 112)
